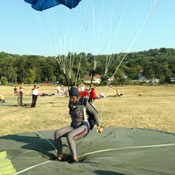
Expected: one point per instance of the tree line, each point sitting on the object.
(154, 64)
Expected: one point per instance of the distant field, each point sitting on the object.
(150, 107)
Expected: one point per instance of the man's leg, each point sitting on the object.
(76, 134)
(62, 132)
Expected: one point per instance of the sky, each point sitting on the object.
(94, 26)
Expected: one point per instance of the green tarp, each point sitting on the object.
(117, 151)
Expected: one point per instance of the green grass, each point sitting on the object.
(154, 109)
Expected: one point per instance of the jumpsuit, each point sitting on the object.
(78, 129)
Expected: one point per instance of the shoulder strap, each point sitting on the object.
(84, 102)
(85, 114)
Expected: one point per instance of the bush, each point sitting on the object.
(4, 81)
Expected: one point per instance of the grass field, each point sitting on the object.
(154, 108)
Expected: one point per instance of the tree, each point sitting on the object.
(149, 73)
(31, 76)
(132, 73)
(4, 81)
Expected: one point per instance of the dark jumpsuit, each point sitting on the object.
(78, 129)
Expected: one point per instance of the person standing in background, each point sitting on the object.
(21, 91)
(34, 95)
(15, 91)
(82, 87)
(92, 95)
(59, 90)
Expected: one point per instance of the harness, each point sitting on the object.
(88, 120)
(85, 118)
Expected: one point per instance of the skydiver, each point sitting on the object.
(79, 127)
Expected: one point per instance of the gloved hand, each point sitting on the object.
(100, 129)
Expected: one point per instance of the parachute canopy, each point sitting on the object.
(45, 4)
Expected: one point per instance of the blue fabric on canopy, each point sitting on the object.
(45, 4)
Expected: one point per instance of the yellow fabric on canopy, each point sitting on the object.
(6, 167)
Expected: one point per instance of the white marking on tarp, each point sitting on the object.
(125, 148)
(34, 166)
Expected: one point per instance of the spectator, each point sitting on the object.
(34, 95)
